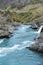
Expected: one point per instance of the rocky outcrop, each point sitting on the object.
(6, 31)
(35, 24)
(7, 27)
(15, 24)
(38, 45)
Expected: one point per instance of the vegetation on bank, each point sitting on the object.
(25, 14)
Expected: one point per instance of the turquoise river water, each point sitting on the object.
(13, 51)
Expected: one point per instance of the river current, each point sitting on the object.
(13, 51)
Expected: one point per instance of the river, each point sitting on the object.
(13, 51)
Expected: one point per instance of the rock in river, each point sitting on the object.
(38, 45)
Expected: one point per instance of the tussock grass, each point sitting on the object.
(26, 14)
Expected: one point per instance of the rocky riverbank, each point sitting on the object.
(35, 24)
(38, 45)
(7, 27)
(6, 30)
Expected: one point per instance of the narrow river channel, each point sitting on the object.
(13, 51)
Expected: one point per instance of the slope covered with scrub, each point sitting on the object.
(25, 14)
(33, 9)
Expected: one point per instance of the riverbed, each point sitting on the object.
(13, 50)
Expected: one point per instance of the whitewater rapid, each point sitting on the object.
(1, 40)
(6, 50)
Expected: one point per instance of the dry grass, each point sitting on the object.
(27, 13)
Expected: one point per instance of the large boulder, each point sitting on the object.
(37, 47)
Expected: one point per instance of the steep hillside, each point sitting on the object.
(4, 3)
(26, 14)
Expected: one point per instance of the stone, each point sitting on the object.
(38, 45)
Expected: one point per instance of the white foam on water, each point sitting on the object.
(35, 32)
(4, 51)
(23, 28)
(2, 55)
(39, 31)
(1, 40)
(25, 44)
